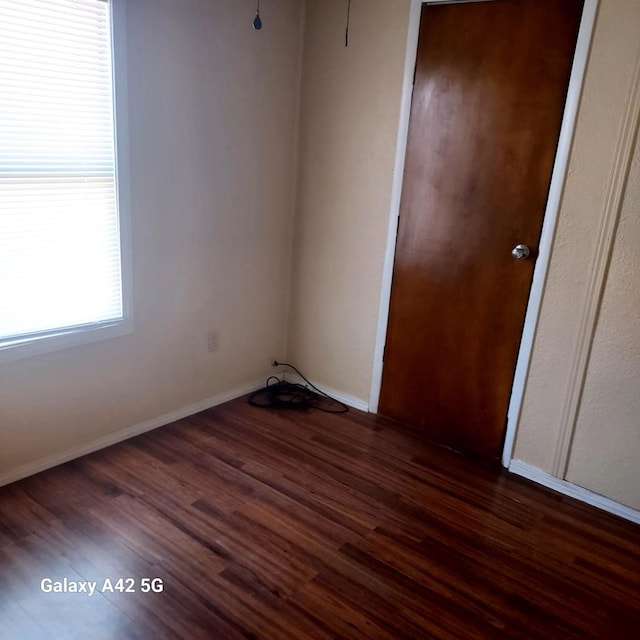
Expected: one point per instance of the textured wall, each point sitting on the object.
(605, 454)
(607, 86)
(349, 120)
(213, 111)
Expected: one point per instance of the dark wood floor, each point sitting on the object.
(288, 525)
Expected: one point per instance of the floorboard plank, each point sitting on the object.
(289, 525)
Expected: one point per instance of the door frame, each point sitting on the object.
(556, 189)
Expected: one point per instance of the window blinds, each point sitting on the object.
(60, 261)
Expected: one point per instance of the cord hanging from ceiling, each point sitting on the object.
(257, 21)
(346, 31)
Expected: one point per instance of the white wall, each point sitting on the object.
(605, 453)
(349, 119)
(213, 111)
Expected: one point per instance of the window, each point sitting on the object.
(60, 241)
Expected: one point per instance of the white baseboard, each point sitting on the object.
(349, 400)
(574, 491)
(42, 464)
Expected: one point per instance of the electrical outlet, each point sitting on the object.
(280, 373)
(213, 340)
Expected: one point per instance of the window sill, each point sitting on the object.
(65, 339)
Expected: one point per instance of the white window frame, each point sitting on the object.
(82, 335)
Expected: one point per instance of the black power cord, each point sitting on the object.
(278, 394)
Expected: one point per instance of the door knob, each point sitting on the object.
(521, 252)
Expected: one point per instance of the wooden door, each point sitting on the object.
(489, 93)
